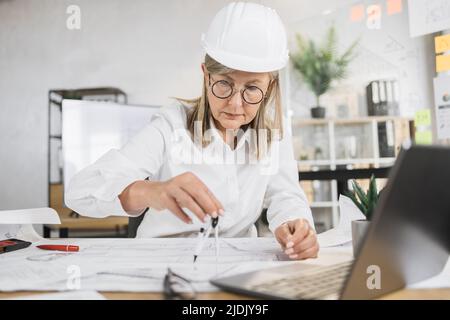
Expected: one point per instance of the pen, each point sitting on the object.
(58, 247)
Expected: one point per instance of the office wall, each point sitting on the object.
(384, 51)
(150, 49)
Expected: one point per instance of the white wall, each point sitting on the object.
(149, 49)
(385, 53)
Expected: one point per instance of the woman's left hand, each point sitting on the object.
(298, 239)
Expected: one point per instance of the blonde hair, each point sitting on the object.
(268, 116)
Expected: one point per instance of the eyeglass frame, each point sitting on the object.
(233, 90)
(170, 293)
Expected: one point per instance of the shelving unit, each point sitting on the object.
(330, 144)
(69, 219)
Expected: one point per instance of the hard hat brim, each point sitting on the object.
(248, 64)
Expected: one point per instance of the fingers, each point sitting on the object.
(201, 195)
(172, 205)
(298, 239)
(202, 199)
(310, 253)
(283, 234)
(301, 229)
(304, 244)
(219, 206)
(307, 242)
(188, 191)
(307, 248)
(184, 200)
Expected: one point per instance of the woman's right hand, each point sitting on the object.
(183, 191)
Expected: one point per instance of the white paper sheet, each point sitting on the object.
(342, 234)
(18, 223)
(428, 16)
(8, 231)
(24, 232)
(29, 216)
(133, 264)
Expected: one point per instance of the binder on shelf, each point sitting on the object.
(382, 98)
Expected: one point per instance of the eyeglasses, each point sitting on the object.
(222, 89)
(177, 287)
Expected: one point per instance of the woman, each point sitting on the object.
(224, 153)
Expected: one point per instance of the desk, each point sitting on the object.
(327, 256)
(406, 294)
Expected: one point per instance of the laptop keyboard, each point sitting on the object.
(317, 283)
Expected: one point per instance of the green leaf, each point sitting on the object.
(360, 193)
(373, 196)
(373, 187)
(320, 65)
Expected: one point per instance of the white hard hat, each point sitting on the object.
(248, 37)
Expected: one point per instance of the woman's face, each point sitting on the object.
(234, 112)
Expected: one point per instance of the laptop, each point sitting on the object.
(408, 240)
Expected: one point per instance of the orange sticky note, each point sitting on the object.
(443, 63)
(442, 43)
(394, 7)
(357, 13)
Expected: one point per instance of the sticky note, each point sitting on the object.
(394, 7)
(422, 118)
(442, 43)
(442, 63)
(357, 13)
(423, 137)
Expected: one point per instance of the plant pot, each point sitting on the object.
(359, 229)
(318, 112)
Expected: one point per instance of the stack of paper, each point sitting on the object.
(18, 223)
(137, 265)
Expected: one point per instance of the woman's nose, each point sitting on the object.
(236, 99)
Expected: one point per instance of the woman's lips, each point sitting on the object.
(231, 115)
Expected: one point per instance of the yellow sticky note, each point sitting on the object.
(424, 137)
(422, 118)
(442, 63)
(442, 43)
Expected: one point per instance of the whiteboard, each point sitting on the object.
(428, 16)
(91, 128)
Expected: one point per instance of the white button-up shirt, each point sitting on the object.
(164, 149)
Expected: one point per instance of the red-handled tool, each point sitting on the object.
(58, 247)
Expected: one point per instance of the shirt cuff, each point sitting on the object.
(112, 208)
(108, 196)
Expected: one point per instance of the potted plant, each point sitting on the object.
(366, 202)
(320, 65)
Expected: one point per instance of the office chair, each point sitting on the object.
(133, 224)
